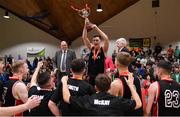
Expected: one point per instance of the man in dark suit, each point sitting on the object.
(63, 59)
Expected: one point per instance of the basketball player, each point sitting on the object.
(164, 95)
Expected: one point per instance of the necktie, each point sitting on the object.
(63, 65)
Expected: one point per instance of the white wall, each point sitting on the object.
(140, 20)
(16, 35)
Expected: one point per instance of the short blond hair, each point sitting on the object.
(17, 65)
(124, 58)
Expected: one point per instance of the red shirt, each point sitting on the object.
(109, 64)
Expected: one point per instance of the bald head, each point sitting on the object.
(121, 42)
(64, 45)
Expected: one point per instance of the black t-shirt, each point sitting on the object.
(42, 109)
(76, 88)
(102, 104)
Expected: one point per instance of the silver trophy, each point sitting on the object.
(84, 13)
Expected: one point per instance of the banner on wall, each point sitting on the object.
(35, 52)
(140, 42)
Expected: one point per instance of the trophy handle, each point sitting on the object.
(88, 8)
(75, 8)
(82, 12)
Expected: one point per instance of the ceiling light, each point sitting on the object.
(99, 9)
(6, 15)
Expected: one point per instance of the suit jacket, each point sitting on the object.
(69, 57)
(124, 49)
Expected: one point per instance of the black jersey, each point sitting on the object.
(102, 104)
(1, 91)
(76, 88)
(98, 65)
(42, 109)
(127, 94)
(9, 98)
(168, 99)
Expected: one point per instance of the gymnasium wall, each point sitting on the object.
(141, 20)
(16, 35)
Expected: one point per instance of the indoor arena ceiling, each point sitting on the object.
(57, 18)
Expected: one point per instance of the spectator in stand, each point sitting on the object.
(114, 56)
(149, 51)
(84, 53)
(142, 71)
(10, 59)
(177, 54)
(3, 81)
(3, 75)
(176, 74)
(8, 70)
(1, 92)
(35, 62)
(29, 66)
(170, 53)
(150, 70)
(158, 50)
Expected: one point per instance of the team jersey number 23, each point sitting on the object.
(172, 99)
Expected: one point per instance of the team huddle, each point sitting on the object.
(79, 87)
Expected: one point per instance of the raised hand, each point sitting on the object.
(90, 25)
(40, 64)
(64, 79)
(130, 80)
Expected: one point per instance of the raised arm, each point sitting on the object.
(86, 41)
(104, 37)
(116, 88)
(135, 95)
(65, 90)
(34, 77)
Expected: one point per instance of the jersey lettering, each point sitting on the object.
(74, 88)
(172, 99)
(101, 102)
